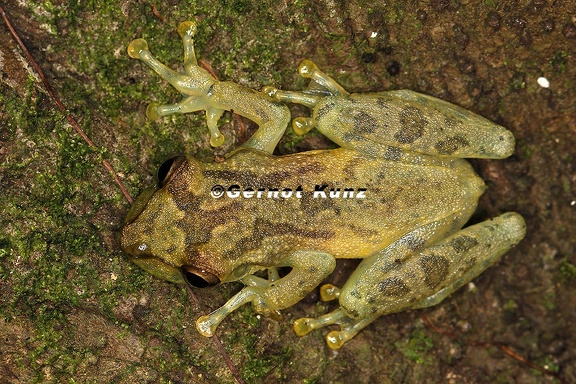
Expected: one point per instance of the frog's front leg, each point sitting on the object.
(203, 92)
(309, 268)
(382, 285)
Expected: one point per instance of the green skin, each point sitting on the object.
(408, 194)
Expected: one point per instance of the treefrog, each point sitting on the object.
(396, 194)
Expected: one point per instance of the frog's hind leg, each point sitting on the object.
(379, 287)
(321, 85)
(493, 237)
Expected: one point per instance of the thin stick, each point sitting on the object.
(61, 107)
(218, 343)
(501, 346)
(157, 14)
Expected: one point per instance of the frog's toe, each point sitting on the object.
(137, 46)
(216, 139)
(302, 125)
(329, 292)
(206, 326)
(187, 28)
(336, 339)
(303, 326)
(152, 112)
(307, 68)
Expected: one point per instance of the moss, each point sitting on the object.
(258, 366)
(417, 347)
(61, 214)
(567, 270)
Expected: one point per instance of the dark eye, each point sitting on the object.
(199, 278)
(168, 168)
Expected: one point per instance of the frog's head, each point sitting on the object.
(156, 236)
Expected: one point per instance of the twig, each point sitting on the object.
(61, 107)
(157, 14)
(218, 343)
(501, 346)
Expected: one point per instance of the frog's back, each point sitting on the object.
(351, 205)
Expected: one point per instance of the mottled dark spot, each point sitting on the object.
(364, 123)
(413, 125)
(263, 229)
(363, 232)
(451, 144)
(368, 57)
(355, 293)
(352, 137)
(451, 123)
(393, 68)
(393, 153)
(463, 243)
(311, 206)
(414, 243)
(435, 269)
(393, 287)
(262, 113)
(325, 109)
(383, 103)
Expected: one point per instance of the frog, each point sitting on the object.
(396, 194)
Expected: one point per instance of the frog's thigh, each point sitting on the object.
(426, 278)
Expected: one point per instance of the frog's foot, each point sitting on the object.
(155, 111)
(196, 83)
(300, 125)
(348, 326)
(335, 339)
(309, 70)
(270, 295)
(206, 325)
(321, 86)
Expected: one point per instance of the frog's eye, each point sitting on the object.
(167, 170)
(199, 278)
